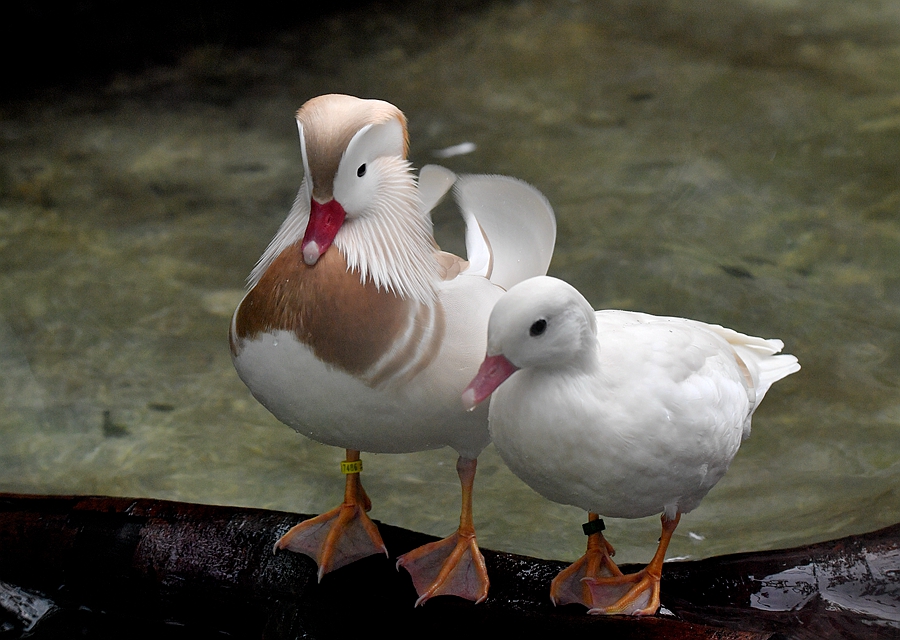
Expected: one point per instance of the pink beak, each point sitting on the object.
(324, 222)
(493, 371)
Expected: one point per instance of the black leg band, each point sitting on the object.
(594, 526)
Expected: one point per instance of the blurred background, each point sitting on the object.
(735, 162)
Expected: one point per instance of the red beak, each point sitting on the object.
(324, 222)
(493, 371)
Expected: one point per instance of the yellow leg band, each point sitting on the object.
(351, 467)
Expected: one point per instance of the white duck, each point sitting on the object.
(368, 344)
(620, 413)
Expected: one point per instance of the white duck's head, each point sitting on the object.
(361, 192)
(542, 322)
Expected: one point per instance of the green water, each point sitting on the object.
(738, 163)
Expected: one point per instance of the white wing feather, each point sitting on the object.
(510, 228)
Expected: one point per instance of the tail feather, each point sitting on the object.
(771, 370)
(758, 355)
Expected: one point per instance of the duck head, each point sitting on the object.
(350, 147)
(359, 194)
(540, 323)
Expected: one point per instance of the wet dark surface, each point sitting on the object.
(164, 569)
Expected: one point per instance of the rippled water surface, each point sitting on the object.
(735, 163)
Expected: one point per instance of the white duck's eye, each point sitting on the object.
(537, 328)
(361, 171)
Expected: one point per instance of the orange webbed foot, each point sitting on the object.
(635, 594)
(343, 535)
(452, 566)
(335, 538)
(569, 586)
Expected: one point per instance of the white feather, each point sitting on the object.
(290, 231)
(510, 227)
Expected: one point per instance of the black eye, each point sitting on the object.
(538, 328)
(361, 171)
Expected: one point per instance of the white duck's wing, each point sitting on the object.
(510, 228)
(757, 359)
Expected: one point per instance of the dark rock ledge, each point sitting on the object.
(101, 567)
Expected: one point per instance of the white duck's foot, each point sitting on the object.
(341, 536)
(569, 587)
(453, 566)
(635, 594)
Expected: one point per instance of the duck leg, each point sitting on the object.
(344, 534)
(641, 589)
(569, 586)
(454, 565)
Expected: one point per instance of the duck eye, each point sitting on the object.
(538, 328)
(361, 171)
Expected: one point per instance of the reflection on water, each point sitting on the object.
(738, 165)
(866, 584)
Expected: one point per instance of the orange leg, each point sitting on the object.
(340, 536)
(454, 565)
(641, 589)
(569, 586)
